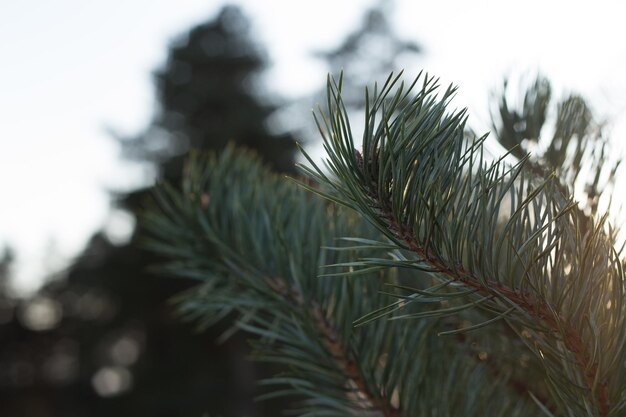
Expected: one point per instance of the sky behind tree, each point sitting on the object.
(71, 71)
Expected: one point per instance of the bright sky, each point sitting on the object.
(71, 69)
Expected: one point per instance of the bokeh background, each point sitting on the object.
(99, 100)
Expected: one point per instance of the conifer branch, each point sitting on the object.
(486, 240)
(512, 241)
(539, 309)
(365, 398)
(256, 243)
(522, 387)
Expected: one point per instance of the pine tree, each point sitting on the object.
(208, 95)
(117, 349)
(430, 280)
(369, 51)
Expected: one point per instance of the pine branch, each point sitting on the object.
(293, 300)
(507, 237)
(364, 397)
(538, 309)
(522, 386)
(256, 244)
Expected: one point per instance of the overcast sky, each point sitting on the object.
(71, 69)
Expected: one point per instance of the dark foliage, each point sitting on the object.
(117, 348)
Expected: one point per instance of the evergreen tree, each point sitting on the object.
(454, 284)
(369, 52)
(118, 348)
(208, 95)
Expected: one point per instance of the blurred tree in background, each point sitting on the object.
(208, 94)
(370, 52)
(103, 341)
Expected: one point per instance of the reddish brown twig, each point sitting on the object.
(364, 396)
(538, 308)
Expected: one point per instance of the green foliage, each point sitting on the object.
(456, 285)
(491, 228)
(257, 245)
